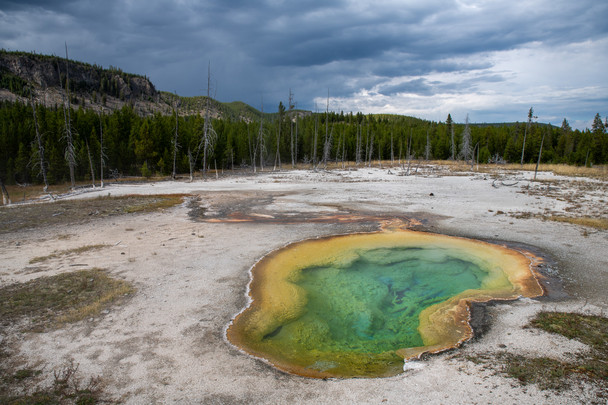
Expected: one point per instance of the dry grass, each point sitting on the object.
(597, 223)
(50, 302)
(548, 373)
(598, 172)
(21, 387)
(68, 252)
(70, 212)
(31, 192)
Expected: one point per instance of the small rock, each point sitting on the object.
(502, 345)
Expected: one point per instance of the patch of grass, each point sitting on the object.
(49, 302)
(545, 372)
(69, 212)
(154, 204)
(548, 373)
(66, 388)
(597, 172)
(61, 253)
(588, 329)
(597, 223)
(25, 373)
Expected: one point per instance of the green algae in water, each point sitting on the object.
(373, 306)
(357, 305)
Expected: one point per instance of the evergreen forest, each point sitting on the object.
(135, 145)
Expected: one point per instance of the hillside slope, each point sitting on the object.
(103, 90)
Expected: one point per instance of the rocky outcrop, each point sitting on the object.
(46, 72)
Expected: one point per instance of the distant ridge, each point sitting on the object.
(100, 89)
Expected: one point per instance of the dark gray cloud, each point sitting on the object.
(435, 50)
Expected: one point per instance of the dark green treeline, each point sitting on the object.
(132, 142)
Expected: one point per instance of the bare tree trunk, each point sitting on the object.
(523, 148)
(90, 164)
(261, 139)
(327, 142)
(409, 153)
(206, 124)
(277, 156)
(358, 146)
(366, 146)
(427, 149)
(6, 199)
(453, 144)
(252, 149)
(175, 145)
(70, 154)
(392, 153)
(371, 148)
(209, 135)
(540, 152)
(191, 163)
(327, 148)
(343, 148)
(296, 140)
(101, 153)
(40, 146)
(314, 145)
(291, 107)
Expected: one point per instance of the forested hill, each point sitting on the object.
(120, 119)
(96, 88)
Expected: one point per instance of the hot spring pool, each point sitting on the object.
(358, 305)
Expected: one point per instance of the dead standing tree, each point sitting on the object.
(523, 148)
(175, 144)
(427, 148)
(466, 149)
(90, 164)
(6, 199)
(252, 148)
(102, 154)
(42, 162)
(277, 156)
(328, 136)
(70, 153)
(371, 147)
(261, 145)
(291, 107)
(358, 146)
(209, 135)
(314, 144)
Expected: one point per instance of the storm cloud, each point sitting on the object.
(489, 59)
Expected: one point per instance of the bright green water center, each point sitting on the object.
(373, 304)
(358, 305)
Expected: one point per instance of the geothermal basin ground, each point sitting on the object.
(189, 266)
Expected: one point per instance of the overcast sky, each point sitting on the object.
(490, 59)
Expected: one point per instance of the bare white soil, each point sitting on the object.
(166, 344)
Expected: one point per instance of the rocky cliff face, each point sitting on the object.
(50, 71)
(91, 86)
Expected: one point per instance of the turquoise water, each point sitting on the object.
(372, 304)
